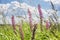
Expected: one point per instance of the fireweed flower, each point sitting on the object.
(13, 24)
(47, 24)
(41, 16)
(30, 19)
(40, 12)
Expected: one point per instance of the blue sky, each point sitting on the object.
(34, 3)
(43, 4)
(5, 1)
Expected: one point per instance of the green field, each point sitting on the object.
(6, 33)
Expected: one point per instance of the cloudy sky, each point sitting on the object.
(19, 8)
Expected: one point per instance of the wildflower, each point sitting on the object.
(13, 24)
(40, 12)
(41, 16)
(30, 19)
(47, 24)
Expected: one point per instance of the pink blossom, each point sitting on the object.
(47, 24)
(13, 24)
(40, 11)
(41, 16)
(30, 19)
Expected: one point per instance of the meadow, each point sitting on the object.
(29, 30)
(7, 33)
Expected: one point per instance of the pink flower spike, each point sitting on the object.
(41, 16)
(40, 11)
(13, 21)
(13, 24)
(30, 19)
(47, 24)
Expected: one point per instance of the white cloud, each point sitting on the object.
(4, 6)
(54, 1)
(15, 5)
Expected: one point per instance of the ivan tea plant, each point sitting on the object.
(30, 19)
(41, 16)
(47, 24)
(13, 24)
